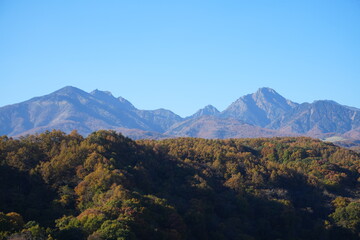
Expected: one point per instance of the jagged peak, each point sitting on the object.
(260, 93)
(266, 93)
(210, 107)
(265, 90)
(125, 102)
(107, 95)
(208, 110)
(269, 94)
(99, 92)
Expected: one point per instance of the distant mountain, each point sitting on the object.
(159, 120)
(264, 113)
(215, 127)
(319, 119)
(71, 108)
(260, 108)
(209, 110)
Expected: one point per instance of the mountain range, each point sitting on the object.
(264, 113)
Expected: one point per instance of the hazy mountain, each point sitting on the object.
(106, 97)
(71, 108)
(260, 108)
(264, 113)
(209, 110)
(320, 118)
(159, 120)
(215, 127)
(137, 134)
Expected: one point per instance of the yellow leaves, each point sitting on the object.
(91, 219)
(285, 202)
(93, 159)
(232, 167)
(217, 164)
(147, 183)
(199, 182)
(10, 222)
(235, 182)
(340, 202)
(15, 219)
(274, 176)
(347, 214)
(97, 183)
(257, 178)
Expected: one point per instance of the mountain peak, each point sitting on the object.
(259, 108)
(265, 94)
(126, 103)
(99, 93)
(208, 110)
(266, 90)
(68, 90)
(211, 108)
(72, 108)
(107, 96)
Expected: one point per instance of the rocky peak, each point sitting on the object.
(266, 90)
(208, 110)
(68, 90)
(267, 96)
(126, 103)
(259, 108)
(107, 97)
(98, 92)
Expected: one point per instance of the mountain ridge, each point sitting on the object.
(263, 113)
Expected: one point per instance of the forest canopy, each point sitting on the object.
(106, 186)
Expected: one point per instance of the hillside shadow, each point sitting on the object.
(27, 195)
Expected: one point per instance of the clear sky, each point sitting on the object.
(181, 55)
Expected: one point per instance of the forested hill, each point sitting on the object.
(106, 186)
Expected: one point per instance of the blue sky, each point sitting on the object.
(181, 55)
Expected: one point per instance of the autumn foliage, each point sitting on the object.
(106, 186)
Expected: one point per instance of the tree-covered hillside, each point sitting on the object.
(106, 186)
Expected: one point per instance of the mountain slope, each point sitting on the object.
(260, 108)
(160, 119)
(320, 118)
(71, 108)
(214, 127)
(208, 110)
(264, 113)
